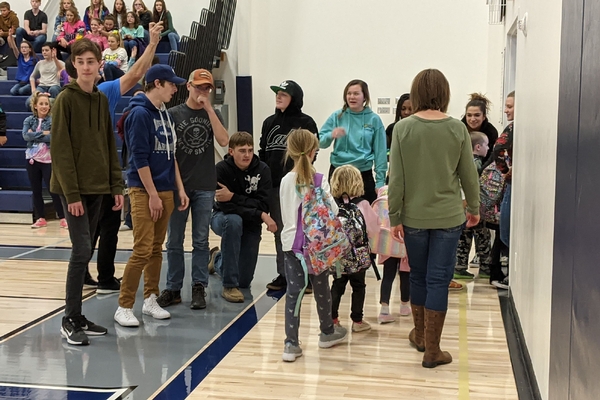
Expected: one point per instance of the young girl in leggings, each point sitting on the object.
(36, 132)
(302, 146)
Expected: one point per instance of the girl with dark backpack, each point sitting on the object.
(359, 222)
(297, 187)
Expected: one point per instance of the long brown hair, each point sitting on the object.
(123, 12)
(300, 144)
(156, 17)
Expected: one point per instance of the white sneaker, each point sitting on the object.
(152, 308)
(125, 317)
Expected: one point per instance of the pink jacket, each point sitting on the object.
(69, 31)
(99, 39)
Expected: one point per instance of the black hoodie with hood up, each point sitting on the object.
(276, 128)
(250, 189)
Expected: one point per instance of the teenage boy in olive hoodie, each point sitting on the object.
(85, 167)
(289, 99)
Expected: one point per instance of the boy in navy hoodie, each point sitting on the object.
(242, 205)
(152, 176)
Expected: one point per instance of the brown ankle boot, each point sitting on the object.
(417, 336)
(434, 324)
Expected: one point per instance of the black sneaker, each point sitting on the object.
(198, 297)
(112, 286)
(71, 330)
(89, 282)
(278, 283)
(169, 297)
(90, 328)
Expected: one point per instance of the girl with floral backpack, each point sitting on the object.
(308, 213)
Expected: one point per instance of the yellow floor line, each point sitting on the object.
(463, 348)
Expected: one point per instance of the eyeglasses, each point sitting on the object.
(203, 88)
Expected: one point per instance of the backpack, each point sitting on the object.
(358, 256)
(321, 243)
(384, 243)
(491, 183)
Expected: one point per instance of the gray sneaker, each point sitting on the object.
(339, 335)
(291, 352)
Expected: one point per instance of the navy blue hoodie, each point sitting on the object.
(151, 143)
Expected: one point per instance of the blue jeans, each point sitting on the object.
(505, 215)
(21, 89)
(236, 263)
(129, 44)
(432, 255)
(201, 203)
(36, 41)
(173, 40)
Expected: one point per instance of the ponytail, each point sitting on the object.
(300, 144)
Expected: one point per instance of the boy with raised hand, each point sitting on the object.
(85, 167)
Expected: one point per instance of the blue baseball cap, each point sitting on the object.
(164, 73)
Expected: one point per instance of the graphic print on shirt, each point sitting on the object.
(161, 138)
(276, 141)
(195, 137)
(253, 181)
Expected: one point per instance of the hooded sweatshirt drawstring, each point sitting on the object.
(162, 121)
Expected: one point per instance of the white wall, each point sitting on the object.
(534, 174)
(324, 44)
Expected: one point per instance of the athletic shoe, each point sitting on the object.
(152, 308)
(278, 283)
(90, 328)
(125, 317)
(124, 227)
(385, 318)
(405, 310)
(211, 260)
(169, 297)
(198, 297)
(89, 282)
(455, 286)
(232, 295)
(112, 286)
(463, 274)
(63, 223)
(291, 352)
(71, 330)
(360, 326)
(503, 284)
(339, 335)
(40, 223)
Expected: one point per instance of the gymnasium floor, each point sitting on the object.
(227, 351)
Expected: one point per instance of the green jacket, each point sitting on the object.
(83, 149)
(429, 161)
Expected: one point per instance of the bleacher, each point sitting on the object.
(201, 49)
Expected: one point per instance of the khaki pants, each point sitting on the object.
(148, 239)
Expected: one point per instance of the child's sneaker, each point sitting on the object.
(63, 223)
(339, 335)
(463, 274)
(385, 318)
(405, 310)
(40, 223)
(291, 352)
(360, 326)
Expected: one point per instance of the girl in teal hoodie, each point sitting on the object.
(359, 138)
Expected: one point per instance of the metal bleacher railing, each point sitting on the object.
(202, 48)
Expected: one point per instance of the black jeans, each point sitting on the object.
(390, 269)
(498, 248)
(357, 282)
(368, 184)
(80, 231)
(107, 230)
(37, 173)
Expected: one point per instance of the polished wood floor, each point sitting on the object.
(377, 364)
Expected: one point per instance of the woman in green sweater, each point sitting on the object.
(430, 159)
(160, 13)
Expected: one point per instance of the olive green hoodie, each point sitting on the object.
(83, 149)
(429, 161)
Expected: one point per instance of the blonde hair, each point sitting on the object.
(347, 180)
(300, 144)
(117, 37)
(34, 101)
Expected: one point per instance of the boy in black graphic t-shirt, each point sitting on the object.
(197, 124)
